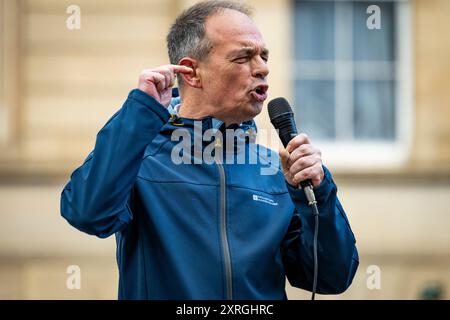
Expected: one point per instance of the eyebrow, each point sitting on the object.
(249, 50)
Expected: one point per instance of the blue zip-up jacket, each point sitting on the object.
(202, 231)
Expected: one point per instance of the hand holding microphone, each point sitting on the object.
(301, 161)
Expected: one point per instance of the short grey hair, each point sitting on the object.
(187, 38)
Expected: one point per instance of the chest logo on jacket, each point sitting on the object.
(264, 199)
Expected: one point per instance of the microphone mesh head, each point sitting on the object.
(278, 106)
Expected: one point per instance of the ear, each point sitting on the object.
(192, 79)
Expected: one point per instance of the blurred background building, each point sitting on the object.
(373, 94)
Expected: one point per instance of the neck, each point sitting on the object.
(193, 110)
(197, 107)
(198, 112)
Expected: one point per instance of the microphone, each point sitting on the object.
(282, 118)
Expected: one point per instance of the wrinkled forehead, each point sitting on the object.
(233, 29)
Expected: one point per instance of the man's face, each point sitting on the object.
(234, 73)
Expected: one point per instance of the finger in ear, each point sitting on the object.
(190, 78)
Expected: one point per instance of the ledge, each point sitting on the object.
(405, 175)
(57, 171)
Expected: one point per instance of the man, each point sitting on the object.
(208, 230)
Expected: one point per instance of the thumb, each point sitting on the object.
(284, 156)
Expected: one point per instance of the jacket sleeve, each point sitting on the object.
(337, 254)
(95, 200)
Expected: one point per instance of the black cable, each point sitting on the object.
(315, 211)
(312, 203)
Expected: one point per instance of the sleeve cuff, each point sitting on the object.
(321, 192)
(150, 102)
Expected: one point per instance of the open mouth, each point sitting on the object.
(260, 92)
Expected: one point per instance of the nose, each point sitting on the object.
(260, 68)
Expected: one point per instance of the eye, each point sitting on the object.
(242, 59)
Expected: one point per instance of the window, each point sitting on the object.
(352, 84)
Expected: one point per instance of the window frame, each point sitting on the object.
(357, 155)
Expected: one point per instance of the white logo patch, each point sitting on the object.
(265, 200)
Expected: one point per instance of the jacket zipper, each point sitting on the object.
(224, 236)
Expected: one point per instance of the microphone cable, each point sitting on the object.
(312, 203)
